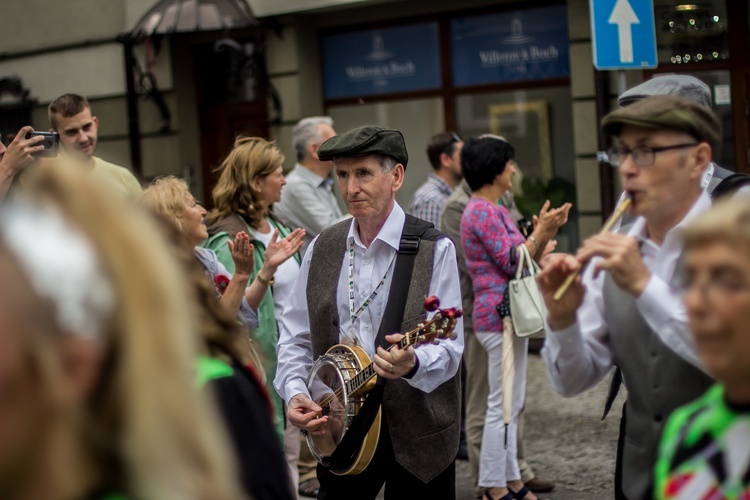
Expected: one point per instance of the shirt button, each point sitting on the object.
(367, 262)
(367, 327)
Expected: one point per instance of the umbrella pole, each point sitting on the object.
(508, 373)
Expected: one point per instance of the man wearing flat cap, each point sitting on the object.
(631, 314)
(354, 288)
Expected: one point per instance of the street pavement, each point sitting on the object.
(565, 439)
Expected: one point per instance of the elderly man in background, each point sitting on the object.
(308, 200)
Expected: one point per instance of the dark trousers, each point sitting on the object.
(399, 483)
(619, 494)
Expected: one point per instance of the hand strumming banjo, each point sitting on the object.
(341, 378)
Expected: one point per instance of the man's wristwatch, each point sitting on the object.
(264, 281)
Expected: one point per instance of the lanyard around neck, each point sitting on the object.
(355, 315)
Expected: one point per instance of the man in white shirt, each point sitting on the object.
(70, 116)
(626, 311)
(308, 200)
(341, 296)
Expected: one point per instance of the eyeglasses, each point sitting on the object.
(717, 285)
(643, 156)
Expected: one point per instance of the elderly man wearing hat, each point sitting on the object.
(625, 310)
(362, 281)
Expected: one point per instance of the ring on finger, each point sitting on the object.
(391, 368)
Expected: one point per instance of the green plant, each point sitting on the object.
(535, 192)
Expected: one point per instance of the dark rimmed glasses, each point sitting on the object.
(643, 156)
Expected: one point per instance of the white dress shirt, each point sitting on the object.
(437, 363)
(579, 356)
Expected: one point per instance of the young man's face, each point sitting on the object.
(717, 297)
(78, 133)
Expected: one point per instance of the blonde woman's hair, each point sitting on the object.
(250, 157)
(145, 426)
(727, 222)
(166, 197)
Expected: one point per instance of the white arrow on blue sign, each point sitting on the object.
(623, 34)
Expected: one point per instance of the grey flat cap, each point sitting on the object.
(680, 85)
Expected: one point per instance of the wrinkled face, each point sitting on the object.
(368, 192)
(193, 220)
(269, 187)
(663, 188)
(78, 133)
(717, 297)
(24, 416)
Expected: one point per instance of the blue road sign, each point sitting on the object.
(623, 34)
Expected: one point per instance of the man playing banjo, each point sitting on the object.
(342, 297)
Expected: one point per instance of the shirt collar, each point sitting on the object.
(639, 230)
(309, 176)
(390, 233)
(441, 184)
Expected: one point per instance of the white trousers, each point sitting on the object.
(498, 462)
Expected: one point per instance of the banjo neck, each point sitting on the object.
(439, 327)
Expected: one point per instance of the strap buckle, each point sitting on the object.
(409, 244)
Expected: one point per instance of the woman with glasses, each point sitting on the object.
(705, 447)
(488, 235)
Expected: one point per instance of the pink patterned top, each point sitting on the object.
(488, 233)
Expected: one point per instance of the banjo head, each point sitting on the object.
(327, 386)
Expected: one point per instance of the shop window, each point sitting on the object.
(691, 32)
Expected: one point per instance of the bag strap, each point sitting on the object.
(414, 231)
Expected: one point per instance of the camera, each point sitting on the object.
(51, 143)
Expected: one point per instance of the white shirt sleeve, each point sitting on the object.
(438, 363)
(579, 356)
(294, 349)
(664, 311)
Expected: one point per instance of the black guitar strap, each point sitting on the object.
(414, 231)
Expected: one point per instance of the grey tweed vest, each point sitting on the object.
(424, 427)
(658, 382)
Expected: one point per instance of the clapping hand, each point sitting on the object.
(278, 251)
(550, 220)
(243, 254)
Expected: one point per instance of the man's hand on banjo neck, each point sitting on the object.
(395, 362)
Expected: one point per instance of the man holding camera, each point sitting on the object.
(70, 116)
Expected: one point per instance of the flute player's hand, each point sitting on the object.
(620, 256)
(557, 267)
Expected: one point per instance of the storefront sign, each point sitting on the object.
(381, 61)
(510, 46)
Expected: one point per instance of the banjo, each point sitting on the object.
(341, 378)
